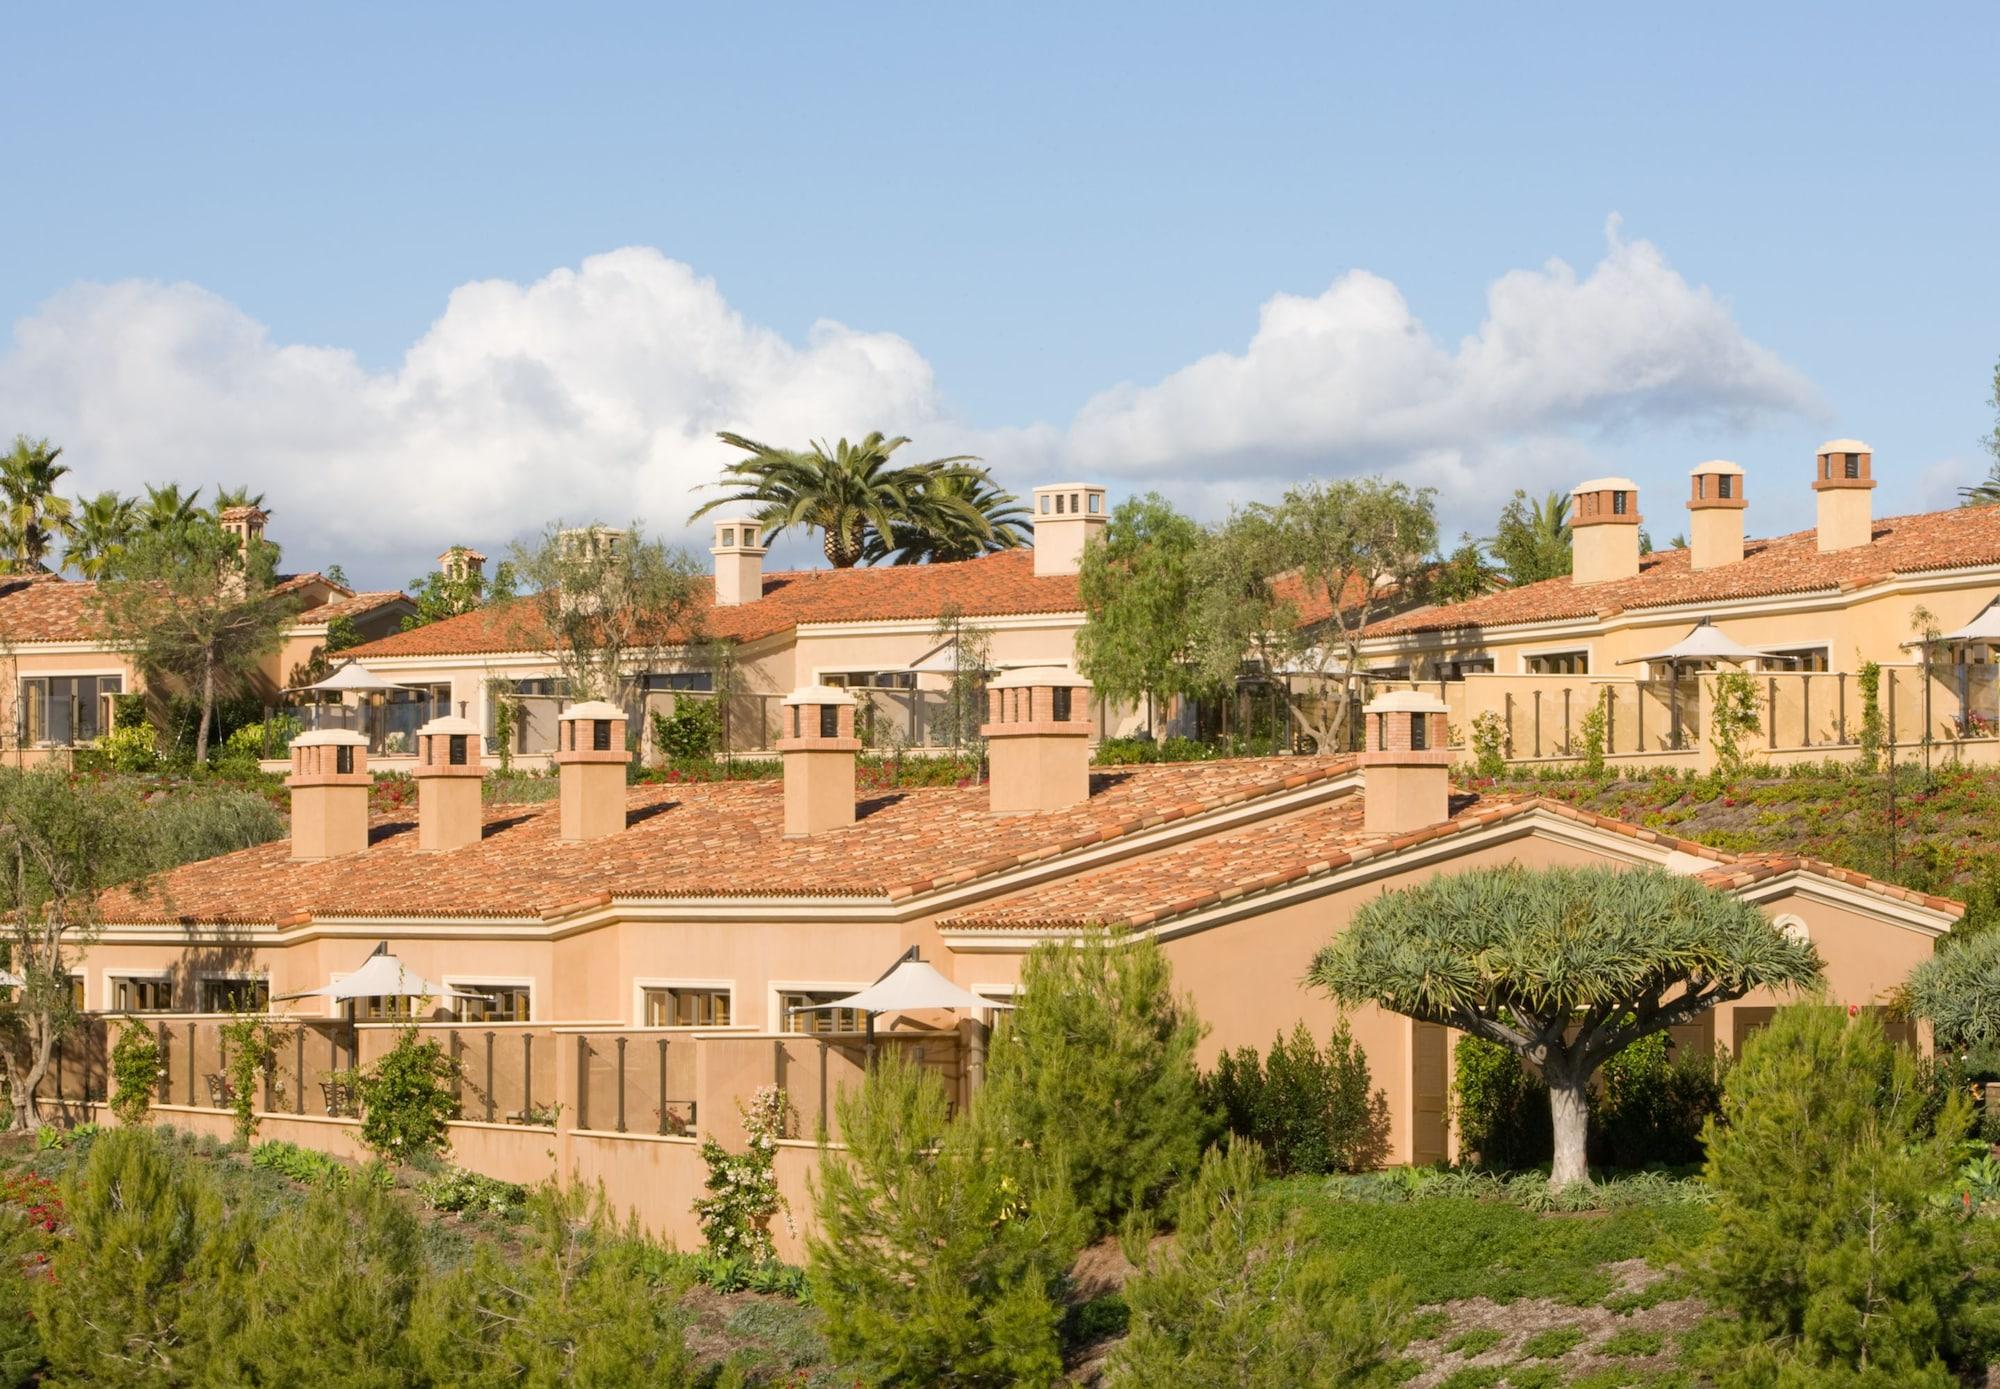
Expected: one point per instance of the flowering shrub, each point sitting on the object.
(743, 1194)
(135, 1066)
(456, 1189)
(406, 1099)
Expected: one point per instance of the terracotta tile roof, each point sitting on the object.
(719, 839)
(997, 585)
(354, 605)
(42, 607)
(46, 607)
(1314, 843)
(1933, 540)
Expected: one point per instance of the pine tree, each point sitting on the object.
(1831, 1244)
(940, 1246)
(1098, 1062)
(1240, 1296)
(327, 1297)
(131, 1300)
(575, 1309)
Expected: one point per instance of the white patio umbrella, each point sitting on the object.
(382, 975)
(353, 678)
(1985, 627)
(1705, 642)
(11, 980)
(909, 985)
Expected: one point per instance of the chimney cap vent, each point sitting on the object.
(450, 725)
(331, 738)
(591, 709)
(818, 694)
(739, 533)
(1406, 702)
(1716, 465)
(1604, 484)
(1843, 446)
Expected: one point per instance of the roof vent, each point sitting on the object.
(1066, 516)
(1604, 530)
(1405, 763)
(329, 785)
(1038, 740)
(818, 747)
(739, 562)
(1715, 514)
(450, 773)
(590, 760)
(1843, 476)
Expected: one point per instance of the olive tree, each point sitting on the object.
(1565, 966)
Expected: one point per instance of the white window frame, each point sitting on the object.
(774, 1010)
(1808, 645)
(728, 986)
(232, 976)
(507, 981)
(112, 978)
(1567, 648)
(125, 678)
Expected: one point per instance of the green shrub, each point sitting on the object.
(1097, 1063)
(406, 1099)
(941, 1247)
(201, 824)
(127, 749)
(249, 1045)
(326, 1298)
(1475, 1342)
(1832, 1246)
(1310, 1111)
(135, 1072)
(1489, 745)
(255, 741)
(130, 1294)
(1502, 1107)
(691, 733)
(572, 1307)
(1553, 1343)
(456, 1190)
(308, 1165)
(1241, 1296)
(1652, 1100)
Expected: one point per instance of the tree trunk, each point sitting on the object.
(207, 711)
(1569, 1108)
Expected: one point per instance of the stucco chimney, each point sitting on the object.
(329, 786)
(246, 523)
(1405, 765)
(818, 748)
(739, 563)
(1604, 530)
(1066, 516)
(1038, 739)
(1715, 514)
(590, 760)
(1843, 477)
(450, 772)
(461, 562)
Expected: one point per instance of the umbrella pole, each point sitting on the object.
(868, 1047)
(1674, 699)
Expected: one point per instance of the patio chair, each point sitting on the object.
(219, 1093)
(339, 1098)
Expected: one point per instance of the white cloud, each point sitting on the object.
(597, 392)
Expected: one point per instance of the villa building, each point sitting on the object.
(58, 672)
(627, 963)
(1816, 608)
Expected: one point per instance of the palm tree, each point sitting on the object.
(168, 508)
(227, 497)
(1532, 541)
(32, 516)
(1986, 492)
(958, 513)
(844, 493)
(104, 526)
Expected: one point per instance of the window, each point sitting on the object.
(76, 992)
(728, 536)
(142, 995)
(384, 1009)
(1096, 503)
(1464, 666)
(1559, 663)
(496, 1003)
(235, 995)
(871, 679)
(687, 1007)
(1811, 658)
(827, 1020)
(65, 710)
(692, 681)
(1420, 732)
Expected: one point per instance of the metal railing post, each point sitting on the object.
(621, 1085)
(489, 1077)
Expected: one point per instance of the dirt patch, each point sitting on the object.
(1100, 1269)
(1518, 1323)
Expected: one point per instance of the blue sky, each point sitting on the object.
(235, 233)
